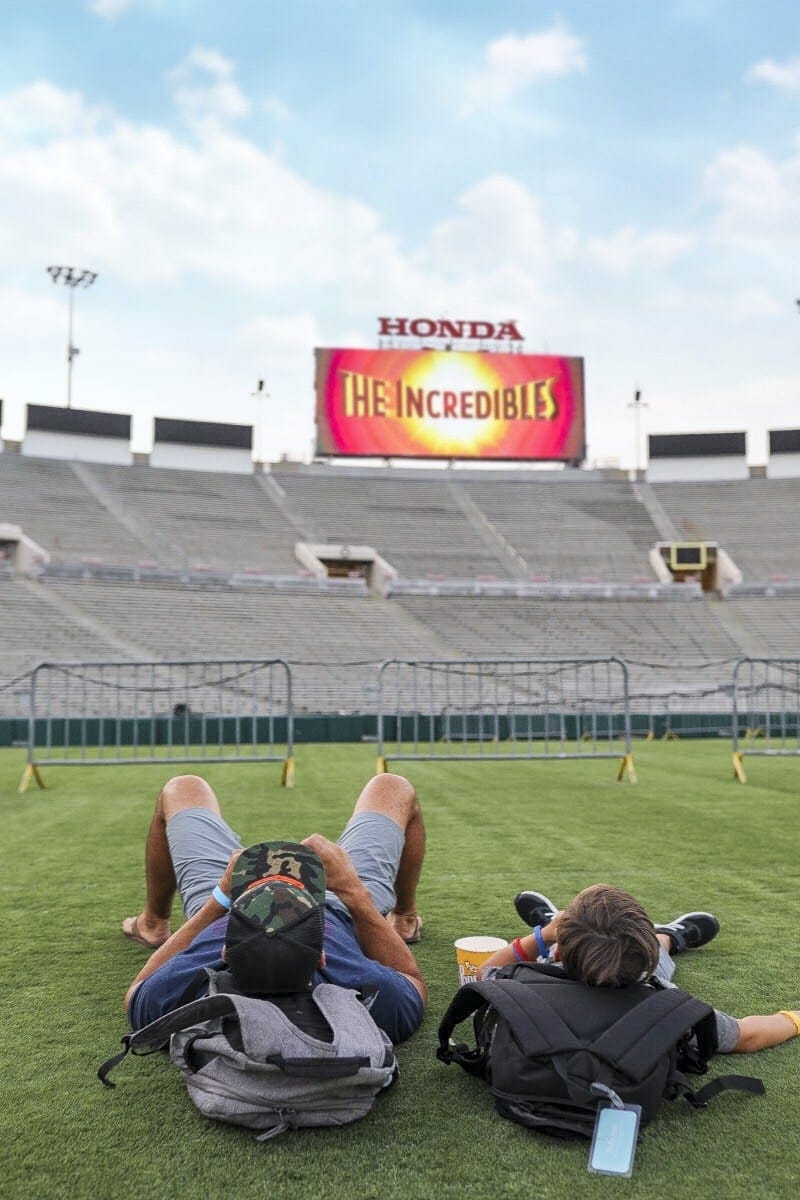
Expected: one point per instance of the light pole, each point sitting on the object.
(71, 277)
(259, 395)
(637, 404)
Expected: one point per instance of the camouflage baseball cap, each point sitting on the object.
(276, 923)
(289, 860)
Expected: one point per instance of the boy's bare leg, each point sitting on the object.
(152, 926)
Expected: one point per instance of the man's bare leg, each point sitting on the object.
(152, 926)
(395, 797)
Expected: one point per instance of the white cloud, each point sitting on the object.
(497, 219)
(111, 10)
(32, 319)
(281, 341)
(275, 107)
(204, 87)
(41, 109)
(758, 199)
(154, 206)
(755, 302)
(784, 76)
(260, 264)
(631, 249)
(513, 64)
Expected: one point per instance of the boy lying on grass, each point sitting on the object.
(605, 938)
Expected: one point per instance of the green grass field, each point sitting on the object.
(685, 836)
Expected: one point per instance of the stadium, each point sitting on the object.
(557, 610)
(491, 627)
(430, 437)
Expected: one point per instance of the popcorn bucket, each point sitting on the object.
(472, 953)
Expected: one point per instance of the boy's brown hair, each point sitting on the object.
(605, 938)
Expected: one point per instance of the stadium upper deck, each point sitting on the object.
(430, 525)
(562, 526)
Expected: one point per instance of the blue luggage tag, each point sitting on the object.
(614, 1139)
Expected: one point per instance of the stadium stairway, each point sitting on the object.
(108, 639)
(153, 545)
(655, 510)
(736, 624)
(514, 563)
(432, 642)
(277, 495)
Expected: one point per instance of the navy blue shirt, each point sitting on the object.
(397, 1007)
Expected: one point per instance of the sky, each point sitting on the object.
(254, 179)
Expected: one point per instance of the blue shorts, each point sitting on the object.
(201, 843)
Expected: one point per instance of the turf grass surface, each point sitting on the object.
(685, 836)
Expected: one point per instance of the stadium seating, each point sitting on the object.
(202, 517)
(568, 525)
(157, 563)
(755, 520)
(49, 502)
(411, 519)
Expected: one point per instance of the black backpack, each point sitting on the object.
(553, 1050)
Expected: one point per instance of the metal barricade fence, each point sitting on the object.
(187, 711)
(766, 709)
(504, 709)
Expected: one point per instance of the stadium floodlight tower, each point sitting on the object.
(637, 404)
(71, 277)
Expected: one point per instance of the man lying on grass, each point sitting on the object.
(265, 914)
(605, 938)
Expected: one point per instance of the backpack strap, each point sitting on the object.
(156, 1035)
(726, 1083)
(467, 1000)
(319, 1068)
(545, 1033)
(642, 1035)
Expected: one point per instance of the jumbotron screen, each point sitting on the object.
(449, 404)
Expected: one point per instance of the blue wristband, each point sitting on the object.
(544, 949)
(220, 897)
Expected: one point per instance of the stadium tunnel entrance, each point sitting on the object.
(338, 560)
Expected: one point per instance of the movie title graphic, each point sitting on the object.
(456, 403)
(363, 396)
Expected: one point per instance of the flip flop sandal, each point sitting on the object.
(416, 933)
(130, 929)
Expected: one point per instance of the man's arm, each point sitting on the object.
(183, 937)
(375, 936)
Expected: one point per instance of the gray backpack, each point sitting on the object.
(245, 1061)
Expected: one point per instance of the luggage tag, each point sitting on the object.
(614, 1139)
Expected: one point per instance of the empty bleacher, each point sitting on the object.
(33, 631)
(771, 624)
(315, 633)
(569, 525)
(497, 530)
(755, 520)
(49, 502)
(222, 520)
(410, 518)
(640, 629)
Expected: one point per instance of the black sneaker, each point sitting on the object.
(533, 908)
(690, 931)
